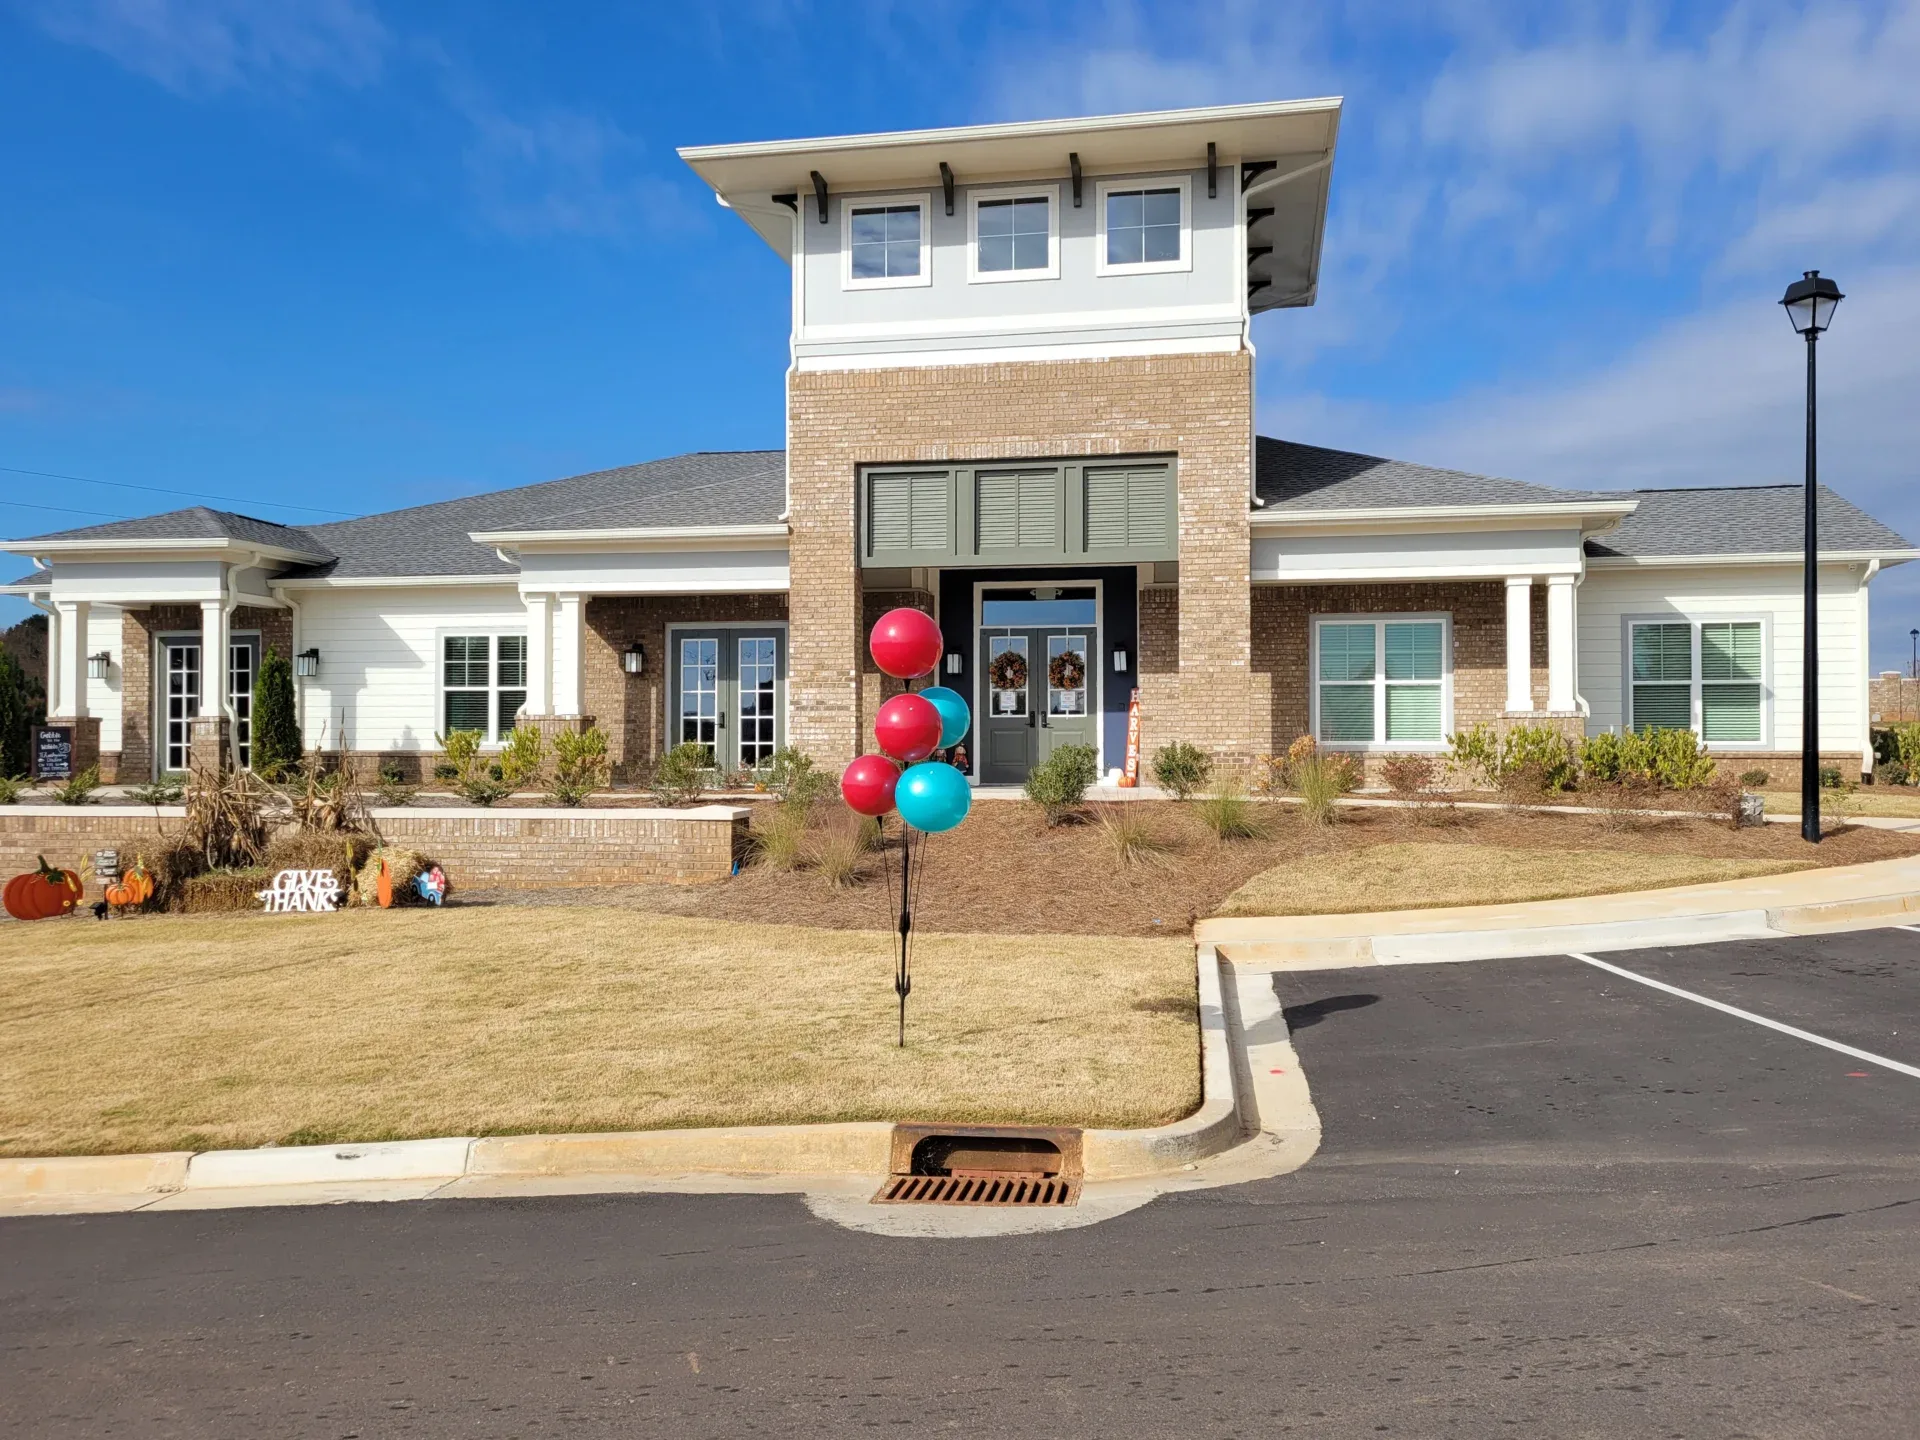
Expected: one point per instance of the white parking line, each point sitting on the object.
(1914, 928)
(1797, 1034)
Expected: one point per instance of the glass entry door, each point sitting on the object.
(243, 664)
(179, 701)
(1040, 692)
(728, 687)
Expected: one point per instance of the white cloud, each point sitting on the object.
(1835, 221)
(196, 46)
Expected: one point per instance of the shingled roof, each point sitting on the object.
(1738, 520)
(199, 523)
(1291, 476)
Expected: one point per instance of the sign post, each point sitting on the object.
(1130, 777)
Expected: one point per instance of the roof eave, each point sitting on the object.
(674, 537)
(179, 547)
(1605, 512)
(1757, 557)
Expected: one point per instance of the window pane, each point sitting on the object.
(508, 711)
(1413, 651)
(869, 227)
(513, 659)
(1413, 712)
(903, 258)
(1346, 653)
(1161, 243)
(1125, 209)
(1730, 714)
(1663, 652)
(1126, 247)
(903, 223)
(1346, 712)
(1730, 651)
(996, 217)
(1662, 707)
(467, 710)
(869, 262)
(466, 659)
(1162, 207)
(1030, 252)
(996, 252)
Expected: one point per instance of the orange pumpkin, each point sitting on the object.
(135, 887)
(43, 893)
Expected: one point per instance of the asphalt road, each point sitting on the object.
(1551, 1201)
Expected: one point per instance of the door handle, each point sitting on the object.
(1030, 720)
(723, 719)
(1045, 724)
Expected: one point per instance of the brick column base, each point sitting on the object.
(209, 746)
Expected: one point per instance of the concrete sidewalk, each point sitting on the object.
(1800, 903)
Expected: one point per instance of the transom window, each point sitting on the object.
(886, 243)
(1708, 677)
(1143, 228)
(483, 683)
(1014, 235)
(1384, 683)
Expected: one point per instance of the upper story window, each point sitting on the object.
(1016, 234)
(885, 242)
(1145, 227)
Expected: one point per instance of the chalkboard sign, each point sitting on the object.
(53, 752)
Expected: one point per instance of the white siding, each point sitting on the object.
(103, 696)
(656, 572)
(379, 658)
(1772, 593)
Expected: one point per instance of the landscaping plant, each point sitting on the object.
(78, 789)
(167, 790)
(521, 757)
(1059, 783)
(680, 775)
(842, 845)
(1526, 758)
(1181, 769)
(1758, 779)
(10, 788)
(392, 787)
(1904, 741)
(275, 741)
(19, 713)
(1320, 780)
(580, 765)
(475, 777)
(1407, 775)
(1230, 815)
(1677, 759)
(1127, 834)
(793, 779)
(779, 836)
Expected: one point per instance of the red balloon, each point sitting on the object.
(867, 784)
(906, 643)
(908, 728)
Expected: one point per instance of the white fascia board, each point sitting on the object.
(690, 537)
(1451, 516)
(1226, 343)
(392, 582)
(121, 549)
(1074, 320)
(1771, 557)
(1382, 574)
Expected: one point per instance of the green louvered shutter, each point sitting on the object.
(1017, 510)
(909, 515)
(1730, 712)
(1129, 509)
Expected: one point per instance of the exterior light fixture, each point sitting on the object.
(97, 665)
(633, 659)
(955, 662)
(1119, 660)
(306, 663)
(1810, 302)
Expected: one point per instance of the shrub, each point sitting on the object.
(1059, 783)
(445, 770)
(842, 847)
(20, 711)
(392, 787)
(780, 837)
(1270, 775)
(1181, 769)
(1759, 778)
(679, 778)
(1127, 834)
(1829, 779)
(794, 780)
(10, 788)
(520, 759)
(1677, 760)
(1541, 753)
(1320, 780)
(165, 791)
(1893, 773)
(275, 734)
(1905, 739)
(1476, 752)
(1603, 758)
(1230, 815)
(474, 776)
(78, 789)
(1407, 774)
(580, 765)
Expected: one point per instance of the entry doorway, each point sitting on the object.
(182, 693)
(1038, 657)
(728, 693)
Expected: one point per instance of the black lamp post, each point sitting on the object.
(1913, 668)
(1810, 303)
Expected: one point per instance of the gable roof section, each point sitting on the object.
(1739, 520)
(197, 523)
(707, 488)
(1289, 476)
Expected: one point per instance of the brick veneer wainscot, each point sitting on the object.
(1198, 407)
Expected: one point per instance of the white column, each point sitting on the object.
(539, 655)
(1560, 641)
(1519, 644)
(213, 657)
(568, 647)
(54, 698)
(69, 656)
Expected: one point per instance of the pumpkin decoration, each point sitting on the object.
(43, 893)
(1008, 670)
(134, 888)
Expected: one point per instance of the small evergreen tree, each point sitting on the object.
(276, 734)
(16, 717)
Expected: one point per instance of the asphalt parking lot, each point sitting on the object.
(1550, 1201)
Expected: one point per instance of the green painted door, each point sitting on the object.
(728, 692)
(1040, 692)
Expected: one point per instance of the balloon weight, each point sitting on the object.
(933, 797)
(905, 643)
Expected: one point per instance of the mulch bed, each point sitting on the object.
(1004, 871)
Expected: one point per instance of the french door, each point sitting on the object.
(728, 694)
(1041, 693)
(183, 692)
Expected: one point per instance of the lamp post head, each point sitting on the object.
(1810, 303)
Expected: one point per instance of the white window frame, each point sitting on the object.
(1050, 271)
(1381, 745)
(670, 694)
(1695, 713)
(1103, 188)
(849, 204)
(438, 671)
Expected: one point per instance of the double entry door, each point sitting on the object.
(182, 692)
(728, 685)
(1040, 691)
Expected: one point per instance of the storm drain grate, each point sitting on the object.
(978, 1190)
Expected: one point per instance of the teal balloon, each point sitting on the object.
(932, 797)
(954, 715)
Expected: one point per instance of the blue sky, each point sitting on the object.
(353, 255)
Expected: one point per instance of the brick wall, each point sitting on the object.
(134, 763)
(1893, 698)
(1198, 407)
(875, 685)
(523, 848)
(632, 708)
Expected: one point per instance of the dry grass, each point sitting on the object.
(1893, 802)
(198, 1032)
(1415, 876)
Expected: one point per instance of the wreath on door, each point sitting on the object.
(1067, 671)
(1008, 670)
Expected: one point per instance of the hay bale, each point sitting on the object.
(342, 852)
(405, 866)
(222, 890)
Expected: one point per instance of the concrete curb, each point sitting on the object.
(286, 1174)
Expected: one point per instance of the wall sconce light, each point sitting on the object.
(955, 662)
(633, 659)
(306, 663)
(1119, 661)
(97, 665)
